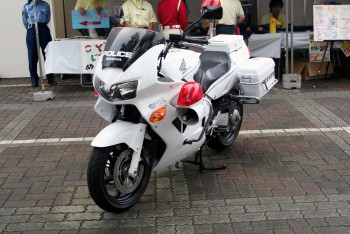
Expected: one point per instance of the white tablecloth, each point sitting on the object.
(265, 45)
(300, 40)
(64, 56)
(269, 45)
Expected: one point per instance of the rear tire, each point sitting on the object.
(222, 140)
(107, 177)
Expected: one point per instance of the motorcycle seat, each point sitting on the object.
(214, 64)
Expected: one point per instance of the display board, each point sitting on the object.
(318, 49)
(331, 22)
(91, 19)
(345, 47)
(91, 52)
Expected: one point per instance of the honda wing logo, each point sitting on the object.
(183, 67)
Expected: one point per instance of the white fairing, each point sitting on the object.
(180, 64)
(105, 110)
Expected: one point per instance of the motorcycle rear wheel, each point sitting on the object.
(107, 177)
(223, 140)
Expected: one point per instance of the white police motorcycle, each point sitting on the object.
(164, 103)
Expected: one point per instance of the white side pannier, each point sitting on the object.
(257, 76)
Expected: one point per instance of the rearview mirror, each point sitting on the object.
(211, 12)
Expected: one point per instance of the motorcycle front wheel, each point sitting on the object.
(223, 140)
(110, 186)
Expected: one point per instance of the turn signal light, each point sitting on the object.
(158, 115)
(190, 93)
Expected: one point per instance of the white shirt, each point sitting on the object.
(231, 10)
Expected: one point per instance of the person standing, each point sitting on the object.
(232, 15)
(43, 16)
(98, 5)
(139, 14)
(275, 12)
(172, 15)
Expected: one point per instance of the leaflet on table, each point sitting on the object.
(90, 20)
(91, 52)
(331, 22)
(317, 49)
(345, 47)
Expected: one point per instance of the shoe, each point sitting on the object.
(34, 85)
(53, 83)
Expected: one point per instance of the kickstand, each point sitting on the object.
(199, 162)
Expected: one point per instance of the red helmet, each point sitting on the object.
(210, 3)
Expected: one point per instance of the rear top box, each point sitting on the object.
(225, 43)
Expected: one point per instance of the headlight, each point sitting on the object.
(123, 91)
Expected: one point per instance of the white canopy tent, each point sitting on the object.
(62, 8)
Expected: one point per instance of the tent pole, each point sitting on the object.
(38, 47)
(286, 44)
(304, 21)
(64, 19)
(258, 11)
(52, 21)
(291, 36)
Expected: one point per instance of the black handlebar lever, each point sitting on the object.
(196, 41)
(178, 38)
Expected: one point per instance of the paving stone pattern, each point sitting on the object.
(291, 176)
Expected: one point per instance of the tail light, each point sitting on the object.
(190, 93)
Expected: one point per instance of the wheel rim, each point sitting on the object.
(118, 185)
(235, 119)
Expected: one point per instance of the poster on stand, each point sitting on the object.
(345, 47)
(91, 52)
(317, 50)
(331, 22)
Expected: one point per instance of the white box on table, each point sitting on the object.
(225, 43)
(257, 76)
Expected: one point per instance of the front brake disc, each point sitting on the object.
(123, 182)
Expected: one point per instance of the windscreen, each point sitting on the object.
(125, 45)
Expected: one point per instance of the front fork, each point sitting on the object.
(136, 156)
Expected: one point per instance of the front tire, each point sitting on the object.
(223, 140)
(107, 177)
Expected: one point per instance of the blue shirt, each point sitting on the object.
(43, 13)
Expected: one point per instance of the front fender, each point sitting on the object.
(121, 132)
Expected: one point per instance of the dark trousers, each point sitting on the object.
(225, 29)
(44, 39)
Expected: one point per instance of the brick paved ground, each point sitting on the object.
(290, 176)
